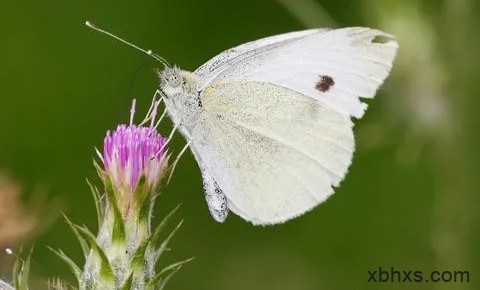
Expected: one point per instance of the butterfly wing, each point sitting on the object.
(210, 69)
(274, 152)
(355, 61)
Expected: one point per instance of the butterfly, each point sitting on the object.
(269, 122)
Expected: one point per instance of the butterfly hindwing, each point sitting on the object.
(274, 152)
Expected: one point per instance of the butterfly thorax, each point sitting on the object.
(184, 105)
(181, 97)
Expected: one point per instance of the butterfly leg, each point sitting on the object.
(174, 164)
(216, 199)
(154, 105)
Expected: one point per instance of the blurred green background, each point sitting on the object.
(410, 199)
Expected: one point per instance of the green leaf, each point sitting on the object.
(106, 271)
(174, 266)
(139, 194)
(163, 223)
(138, 260)
(17, 268)
(164, 244)
(21, 271)
(157, 283)
(81, 240)
(107, 183)
(70, 263)
(118, 231)
(165, 280)
(143, 201)
(128, 283)
(99, 206)
(26, 268)
(100, 171)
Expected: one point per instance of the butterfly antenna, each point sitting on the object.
(148, 52)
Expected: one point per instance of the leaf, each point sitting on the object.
(99, 206)
(174, 266)
(139, 194)
(17, 269)
(106, 271)
(100, 171)
(138, 260)
(165, 280)
(70, 263)
(157, 283)
(26, 268)
(21, 271)
(164, 244)
(163, 223)
(81, 240)
(118, 231)
(128, 283)
(143, 201)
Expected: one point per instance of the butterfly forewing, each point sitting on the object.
(222, 61)
(351, 58)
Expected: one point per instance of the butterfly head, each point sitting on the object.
(175, 82)
(179, 90)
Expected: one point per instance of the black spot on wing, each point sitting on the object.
(324, 83)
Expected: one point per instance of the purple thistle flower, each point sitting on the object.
(132, 151)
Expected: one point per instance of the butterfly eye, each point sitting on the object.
(174, 81)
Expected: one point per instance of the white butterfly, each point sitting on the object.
(269, 121)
